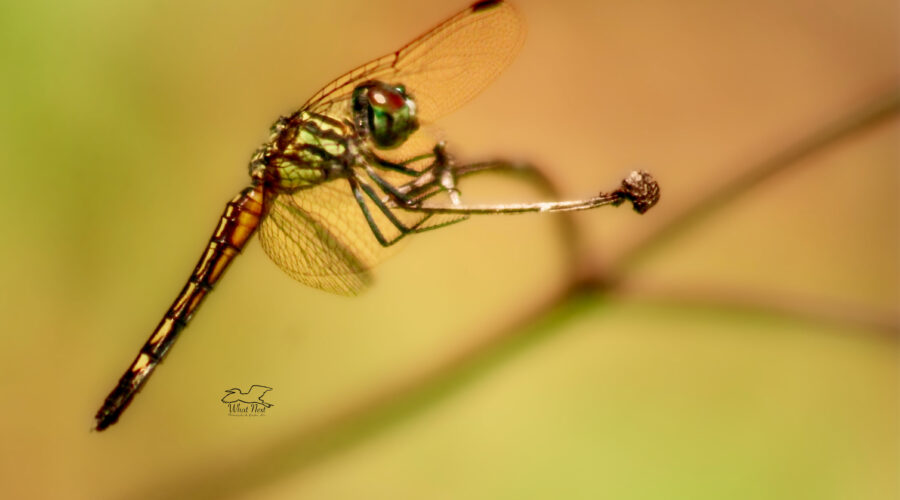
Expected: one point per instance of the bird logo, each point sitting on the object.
(252, 396)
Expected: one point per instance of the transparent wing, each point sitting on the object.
(442, 69)
(320, 237)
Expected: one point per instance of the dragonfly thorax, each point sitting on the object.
(305, 149)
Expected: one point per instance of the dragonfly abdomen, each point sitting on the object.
(236, 226)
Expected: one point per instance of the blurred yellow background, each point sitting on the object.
(752, 354)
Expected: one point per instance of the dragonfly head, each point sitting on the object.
(385, 113)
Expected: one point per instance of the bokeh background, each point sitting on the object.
(739, 341)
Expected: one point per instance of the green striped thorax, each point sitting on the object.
(307, 148)
(385, 113)
(303, 151)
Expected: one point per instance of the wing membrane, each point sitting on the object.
(319, 237)
(442, 69)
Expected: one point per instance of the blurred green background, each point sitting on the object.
(751, 354)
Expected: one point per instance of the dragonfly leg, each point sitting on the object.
(389, 189)
(418, 191)
(437, 152)
(360, 192)
(417, 158)
(409, 198)
(398, 167)
(402, 200)
(436, 177)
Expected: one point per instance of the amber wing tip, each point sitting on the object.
(485, 4)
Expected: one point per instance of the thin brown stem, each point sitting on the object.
(882, 108)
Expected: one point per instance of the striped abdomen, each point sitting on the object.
(237, 224)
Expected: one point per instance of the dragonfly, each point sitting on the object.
(354, 171)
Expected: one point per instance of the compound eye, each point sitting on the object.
(386, 112)
(388, 99)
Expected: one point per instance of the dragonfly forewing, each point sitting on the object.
(444, 68)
